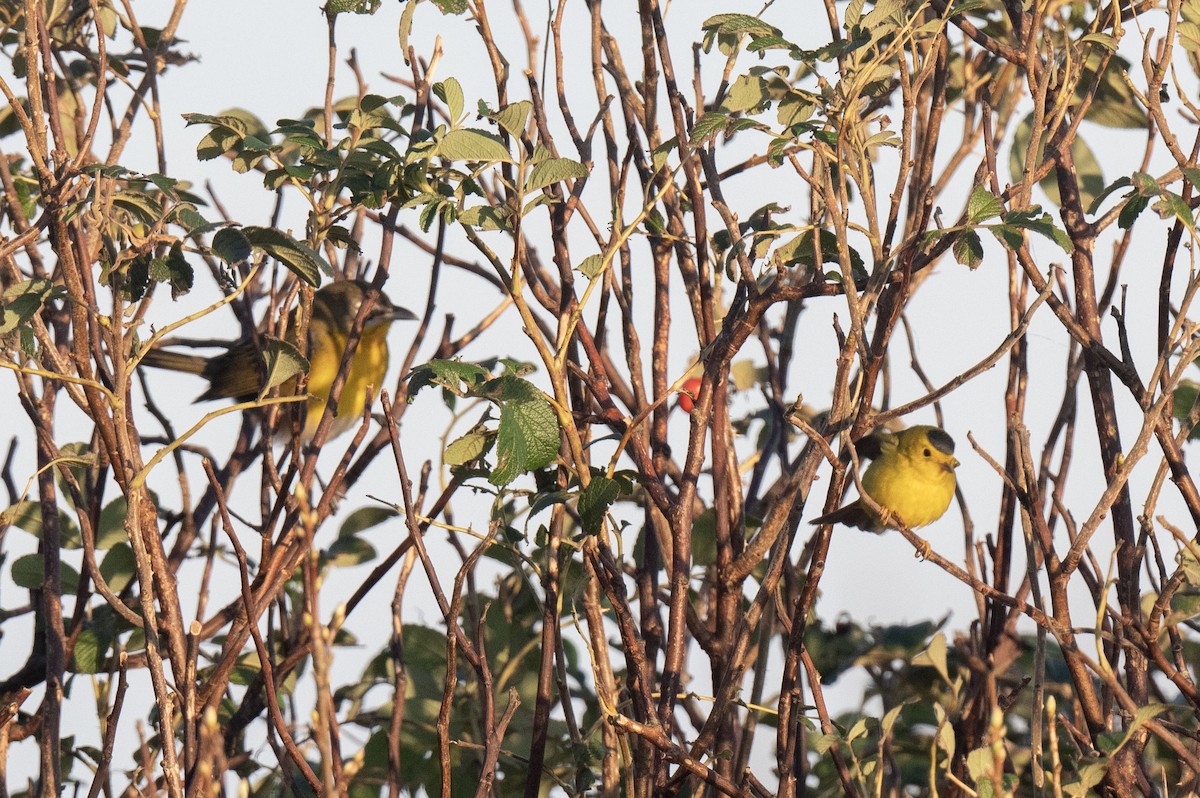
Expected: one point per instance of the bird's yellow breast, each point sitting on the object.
(367, 371)
(916, 489)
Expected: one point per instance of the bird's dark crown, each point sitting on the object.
(941, 441)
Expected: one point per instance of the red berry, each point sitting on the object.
(688, 393)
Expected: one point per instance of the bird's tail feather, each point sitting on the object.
(853, 514)
(175, 361)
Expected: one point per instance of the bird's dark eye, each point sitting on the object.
(928, 453)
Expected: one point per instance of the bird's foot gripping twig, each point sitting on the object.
(923, 549)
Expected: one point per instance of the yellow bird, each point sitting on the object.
(912, 482)
(237, 372)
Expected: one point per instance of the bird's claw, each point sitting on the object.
(923, 550)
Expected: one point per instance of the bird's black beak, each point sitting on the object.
(403, 314)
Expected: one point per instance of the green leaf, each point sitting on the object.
(527, 437)
(140, 206)
(348, 551)
(300, 259)
(1188, 558)
(1105, 40)
(451, 93)
(1183, 607)
(889, 720)
(983, 205)
(980, 764)
(276, 179)
(704, 538)
(468, 144)
(242, 119)
(1087, 167)
(405, 29)
(738, 24)
(166, 185)
(800, 251)
(342, 238)
(512, 117)
(968, 249)
(178, 271)
(215, 144)
(821, 743)
(118, 567)
(854, 13)
(795, 108)
(22, 300)
(594, 501)
(28, 343)
(284, 362)
(884, 138)
(227, 132)
(945, 733)
(745, 374)
(191, 220)
(485, 217)
(1171, 204)
(364, 518)
(457, 376)
(1132, 210)
(708, 125)
(333, 7)
(859, 729)
(1114, 103)
(110, 531)
(748, 93)
(231, 245)
(1037, 221)
(1189, 36)
(554, 170)
(88, 653)
(934, 655)
(1089, 776)
(246, 160)
(28, 572)
(1116, 185)
(660, 154)
(1184, 400)
(591, 266)
(1146, 185)
(1145, 713)
(27, 515)
(468, 448)
(761, 43)
(245, 670)
(885, 12)
(1011, 237)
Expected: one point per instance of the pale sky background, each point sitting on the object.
(269, 56)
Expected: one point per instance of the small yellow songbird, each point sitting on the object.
(912, 482)
(236, 373)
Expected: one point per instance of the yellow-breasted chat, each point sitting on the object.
(237, 373)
